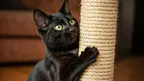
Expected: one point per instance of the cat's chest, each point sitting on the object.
(67, 57)
(65, 61)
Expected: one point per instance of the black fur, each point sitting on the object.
(61, 62)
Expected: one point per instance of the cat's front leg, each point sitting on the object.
(89, 55)
(77, 67)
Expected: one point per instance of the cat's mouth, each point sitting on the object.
(65, 43)
(71, 38)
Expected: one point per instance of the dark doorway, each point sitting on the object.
(138, 32)
(10, 4)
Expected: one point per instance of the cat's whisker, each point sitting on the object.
(68, 44)
(66, 47)
(60, 46)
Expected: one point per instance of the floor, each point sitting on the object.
(15, 73)
(130, 69)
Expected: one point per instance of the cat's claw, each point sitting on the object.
(90, 53)
(92, 50)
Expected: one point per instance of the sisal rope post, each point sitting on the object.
(98, 28)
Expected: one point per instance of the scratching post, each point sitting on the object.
(98, 28)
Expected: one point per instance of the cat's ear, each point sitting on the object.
(65, 8)
(41, 19)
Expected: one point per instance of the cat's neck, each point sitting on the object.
(61, 56)
(72, 51)
(54, 54)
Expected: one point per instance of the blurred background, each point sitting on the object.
(21, 46)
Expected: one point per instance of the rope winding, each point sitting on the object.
(98, 28)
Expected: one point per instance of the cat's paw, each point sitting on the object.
(90, 54)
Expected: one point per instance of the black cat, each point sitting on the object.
(60, 33)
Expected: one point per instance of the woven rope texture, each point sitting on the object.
(98, 28)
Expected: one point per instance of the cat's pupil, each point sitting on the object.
(59, 27)
(72, 22)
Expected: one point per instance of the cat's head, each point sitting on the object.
(59, 31)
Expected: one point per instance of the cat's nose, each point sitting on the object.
(69, 29)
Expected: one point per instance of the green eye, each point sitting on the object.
(58, 27)
(72, 22)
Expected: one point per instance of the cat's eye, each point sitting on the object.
(58, 27)
(72, 22)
